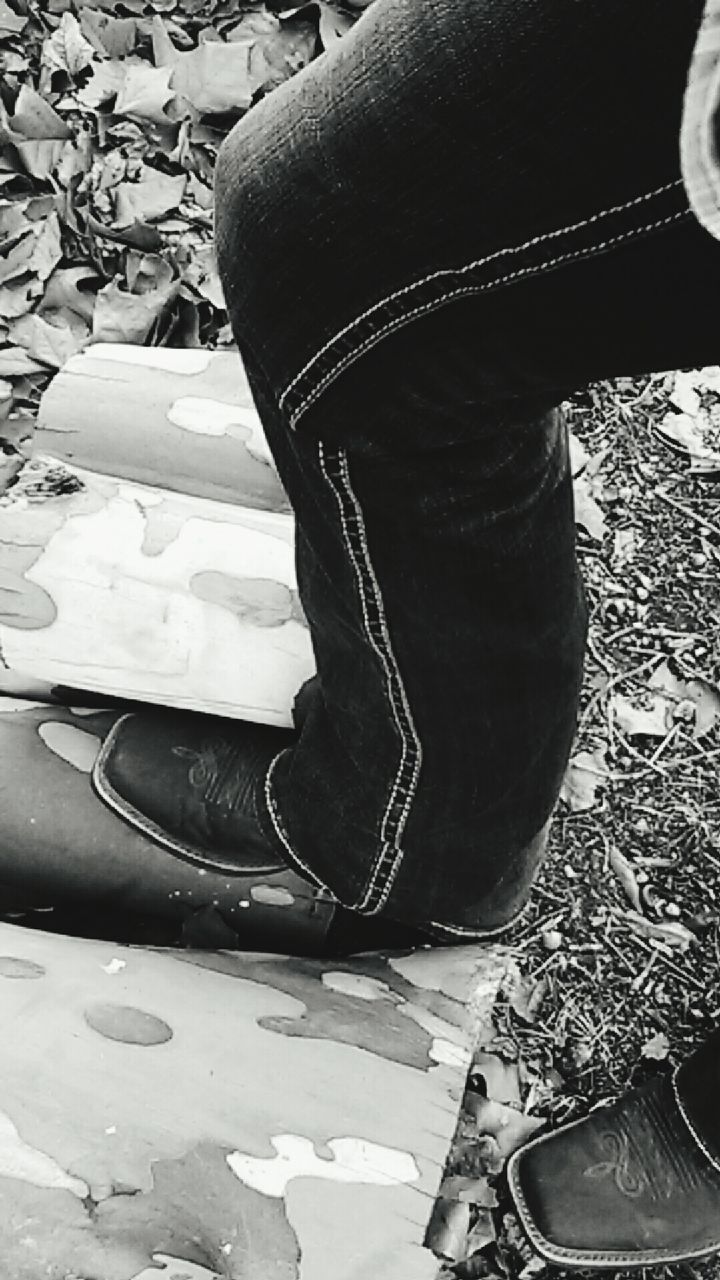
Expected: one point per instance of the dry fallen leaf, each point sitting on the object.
(36, 131)
(690, 437)
(145, 93)
(50, 344)
(67, 49)
(652, 720)
(509, 1128)
(626, 875)
(105, 81)
(657, 1047)
(15, 362)
(672, 933)
(694, 431)
(6, 398)
(481, 1234)
(684, 394)
(149, 199)
(707, 378)
(333, 24)
(35, 250)
(17, 300)
(473, 1190)
(626, 545)
(501, 1079)
(579, 456)
(668, 699)
(110, 37)
(586, 773)
(588, 514)
(34, 119)
(215, 77)
(703, 697)
(128, 317)
(448, 1229)
(65, 290)
(11, 462)
(11, 24)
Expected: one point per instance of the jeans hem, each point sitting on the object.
(464, 933)
(277, 829)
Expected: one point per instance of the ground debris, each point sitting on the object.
(632, 880)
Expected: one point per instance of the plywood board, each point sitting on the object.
(227, 1115)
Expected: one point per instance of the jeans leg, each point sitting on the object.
(429, 477)
(447, 616)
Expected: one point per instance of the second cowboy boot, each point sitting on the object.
(633, 1184)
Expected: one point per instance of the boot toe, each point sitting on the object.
(191, 784)
(628, 1186)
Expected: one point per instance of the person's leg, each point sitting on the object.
(447, 617)
(426, 239)
(416, 439)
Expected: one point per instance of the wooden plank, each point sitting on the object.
(204, 1115)
(186, 1114)
(66, 854)
(137, 592)
(181, 419)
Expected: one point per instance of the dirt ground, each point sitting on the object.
(619, 955)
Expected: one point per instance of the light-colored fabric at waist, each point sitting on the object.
(700, 158)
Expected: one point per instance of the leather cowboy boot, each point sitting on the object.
(194, 786)
(633, 1184)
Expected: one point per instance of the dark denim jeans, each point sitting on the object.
(427, 239)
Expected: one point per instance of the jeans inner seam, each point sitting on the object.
(327, 363)
(335, 468)
(279, 828)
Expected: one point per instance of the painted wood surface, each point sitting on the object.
(132, 590)
(181, 419)
(204, 1115)
(69, 863)
(186, 1114)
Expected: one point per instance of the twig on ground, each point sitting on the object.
(687, 511)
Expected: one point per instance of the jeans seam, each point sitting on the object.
(691, 1127)
(279, 828)
(464, 931)
(304, 401)
(335, 468)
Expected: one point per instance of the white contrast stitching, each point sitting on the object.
(280, 830)
(462, 931)
(506, 252)
(378, 634)
(693, 1131)
(466, 291)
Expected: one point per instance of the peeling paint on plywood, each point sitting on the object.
(213, 418)
(125, 590)
(221, 1145)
